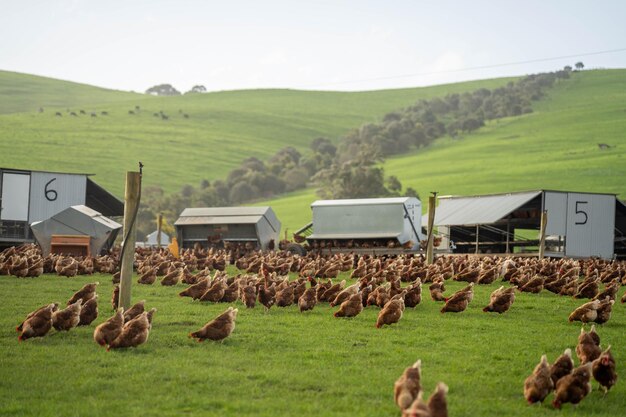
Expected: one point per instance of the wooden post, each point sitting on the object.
(432, 200)
(159, 227)
(477, 230)
(542, 233)
(131, 201)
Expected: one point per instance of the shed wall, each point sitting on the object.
(15, 196)
(63, 191)
(590, 225)
(556, 205)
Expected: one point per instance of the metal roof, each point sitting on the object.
(201, 220)
(361, 201)
(460, 211)
(225, 211)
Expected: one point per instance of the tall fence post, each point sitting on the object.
(131, 202)
(542, 233)
(432, 201)
(159, 228)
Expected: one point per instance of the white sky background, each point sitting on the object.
(322, 44)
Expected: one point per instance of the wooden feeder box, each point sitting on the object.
(76, 245)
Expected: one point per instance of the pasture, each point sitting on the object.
(284, 363)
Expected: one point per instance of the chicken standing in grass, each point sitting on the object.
(436, 290)
(134, 333)
(307, 300)
(574, 387)
(437, 403)
(587, 349)
(196, 290)
(459, 301)
(37, 312)
(67, 318)
(605, 308)
(87, 292)
(539, 384)
(501, 300)
(391, 313)
(89, 312)
(586, 313)
(219, 328)
(350, 307)
(115, 297)
(38, 323)
(603, 370)
(563, 365)
(407, 387)
(108, 331)
(134, 311)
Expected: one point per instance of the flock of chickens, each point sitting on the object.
(572, 384)
(378, 281)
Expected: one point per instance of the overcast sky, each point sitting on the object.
(321, 44)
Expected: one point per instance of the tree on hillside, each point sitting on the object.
(163, 90)
(579, 65)
(567, 68)
(197, 89)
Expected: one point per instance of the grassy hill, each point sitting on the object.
(27, 93)
(222, 129)
(555, 147)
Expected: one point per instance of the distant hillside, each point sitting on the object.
(220, 130)
(28, 93)
(555, 147)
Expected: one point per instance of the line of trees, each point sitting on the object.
(352, 169)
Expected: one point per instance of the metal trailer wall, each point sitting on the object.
(36, 196)
(590, 225)
(14, 203)
(51, 193)
(367, 219)
(586, 220)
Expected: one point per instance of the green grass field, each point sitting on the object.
(222, 130)
(555, 147)
(285, 363)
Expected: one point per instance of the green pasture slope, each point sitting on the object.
(27, 93)
(555, 147)
(223, 128)
(285, 363)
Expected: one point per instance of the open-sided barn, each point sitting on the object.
(578, 224)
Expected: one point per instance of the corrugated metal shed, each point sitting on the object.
(465, 211)
(201, 225)
(77, 220)
(368, 218)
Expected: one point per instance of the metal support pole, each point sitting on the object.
(432, 201)
(131, 201)
(477, 230)
(542, 233)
